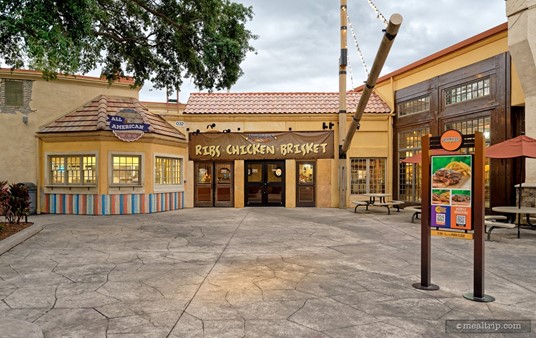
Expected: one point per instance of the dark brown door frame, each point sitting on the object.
(264, 185)
(212, 186)
(305, 186)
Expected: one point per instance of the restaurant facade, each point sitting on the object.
(91, 148)
(275, 149)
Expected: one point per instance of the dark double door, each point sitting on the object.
(265, 183)
(214, 184)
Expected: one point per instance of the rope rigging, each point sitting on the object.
(379, 16)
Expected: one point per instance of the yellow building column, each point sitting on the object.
(290, 184)
(239, 184)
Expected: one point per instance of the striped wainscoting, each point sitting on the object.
(124, 204)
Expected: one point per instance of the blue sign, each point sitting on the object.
(119, 123)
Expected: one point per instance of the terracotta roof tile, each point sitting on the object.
(278, 103)
(93, 116)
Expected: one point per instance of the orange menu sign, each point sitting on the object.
(451, 140)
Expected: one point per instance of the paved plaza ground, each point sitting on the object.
(255, 272)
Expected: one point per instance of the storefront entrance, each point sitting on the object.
(265, 183)
(213, 184)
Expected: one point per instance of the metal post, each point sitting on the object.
(426, 233)
(478, 220)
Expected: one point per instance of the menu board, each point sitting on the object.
(451, 204)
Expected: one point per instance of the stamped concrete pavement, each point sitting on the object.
(255, 272)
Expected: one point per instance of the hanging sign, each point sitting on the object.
(259, 146)
(128, 124)
(451, 204)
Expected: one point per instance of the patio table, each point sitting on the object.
(517, 211)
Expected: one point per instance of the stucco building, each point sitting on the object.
(252, 149)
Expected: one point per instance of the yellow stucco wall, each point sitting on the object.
(290, 184)
(239, 197)
(49, 101)
(325, 197)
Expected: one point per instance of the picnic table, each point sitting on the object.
(378, 200)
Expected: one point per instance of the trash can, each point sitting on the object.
(32, 191)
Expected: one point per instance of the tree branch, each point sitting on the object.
(155, 13)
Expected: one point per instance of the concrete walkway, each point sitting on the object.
(255, 272)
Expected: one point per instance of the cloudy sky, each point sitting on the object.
(299, 41)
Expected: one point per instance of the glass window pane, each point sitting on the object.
(305, 173)
(57, 170)
(468, 91)
(73, 170)
(367, 175)
(409, 175)
(126, 170)
(167, 170)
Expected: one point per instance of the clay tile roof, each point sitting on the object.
(93, 116)
(278, 103)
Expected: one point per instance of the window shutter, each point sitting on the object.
(14, 93)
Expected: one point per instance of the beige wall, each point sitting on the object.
(50, 100)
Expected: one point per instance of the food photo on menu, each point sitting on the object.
(440, 196)
(461, 197)
(452, 172)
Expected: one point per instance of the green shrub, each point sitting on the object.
(18, 204)
(4, 197)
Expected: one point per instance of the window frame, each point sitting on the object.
(424, 100)
(82, 184)
(368, 179)
(465, 85)
(111, 170)
(172, 186)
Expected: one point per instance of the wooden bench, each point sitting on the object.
(416, 212)
(359, 203)
(389, 205)
(494, 222)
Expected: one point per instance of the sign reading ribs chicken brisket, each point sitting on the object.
(451, 191)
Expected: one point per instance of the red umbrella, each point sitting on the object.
(520, 146)
(417, 158)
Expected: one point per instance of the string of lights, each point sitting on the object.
(379, 15)
(350, 71)
(357, 47)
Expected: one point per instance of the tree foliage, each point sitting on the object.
(163, 41)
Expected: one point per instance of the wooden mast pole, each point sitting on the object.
(390, 33)
(343, 61)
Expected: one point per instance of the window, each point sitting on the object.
(409, 176)
(73, 170)
(368, 175)
(414, 106)
(126, 170)
(482, 124)
(467, 91)
(168, 170)
(14, 93)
